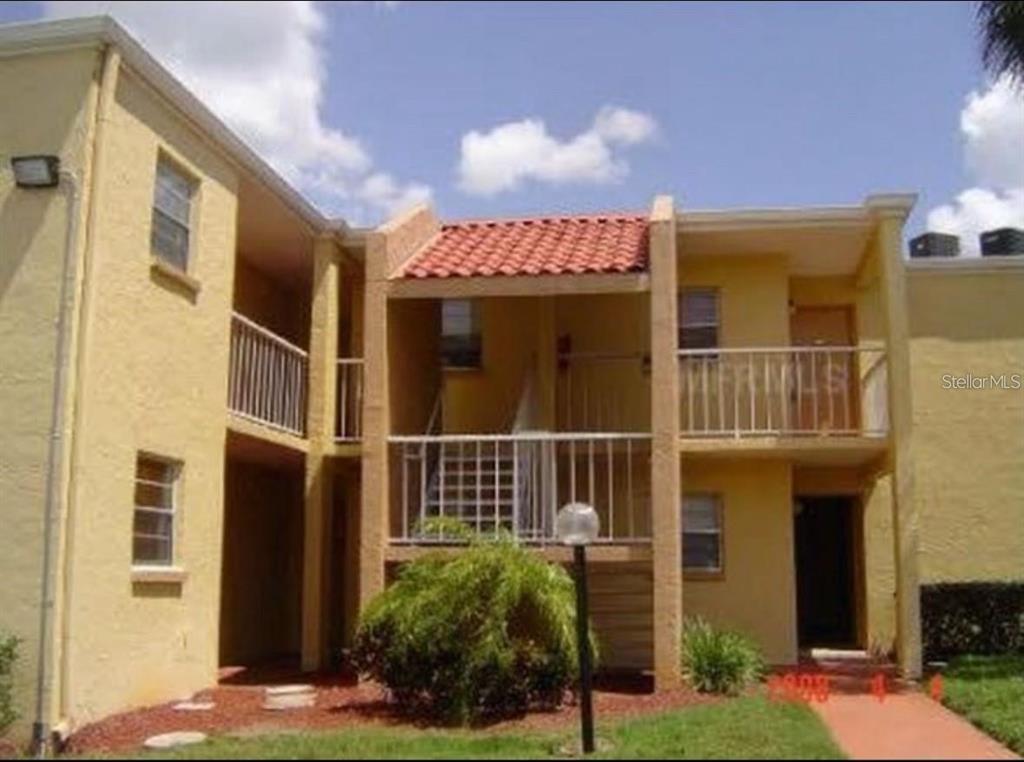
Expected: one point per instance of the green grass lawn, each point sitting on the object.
(989, 691)
(750, 727)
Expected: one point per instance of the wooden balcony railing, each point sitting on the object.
(836, 391)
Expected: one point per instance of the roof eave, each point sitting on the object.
(104, 30)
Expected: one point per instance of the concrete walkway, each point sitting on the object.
(905, 725)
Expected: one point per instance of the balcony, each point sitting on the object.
(513, 485)
(267, 381)
(816, 391)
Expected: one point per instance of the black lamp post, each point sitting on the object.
(578, 525)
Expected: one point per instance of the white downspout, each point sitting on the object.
(54, 468)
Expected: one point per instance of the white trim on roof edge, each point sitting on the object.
(87, 31)
(965, 264)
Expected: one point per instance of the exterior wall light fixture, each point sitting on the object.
(39, 171)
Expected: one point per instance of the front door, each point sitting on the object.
(823, 392)
(825, 561)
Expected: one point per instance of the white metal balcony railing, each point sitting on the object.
(839, 391)
(349, 421)
(267, 377)
(515, 483)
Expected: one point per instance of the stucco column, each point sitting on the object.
(319, 493)
(890, 213)
(374, 509)
(387, 250)
(665, 478)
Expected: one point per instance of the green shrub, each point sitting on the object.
(8, 655)
(487, 632)
(972, 618)
(716, 661)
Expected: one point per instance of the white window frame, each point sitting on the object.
(166, 163)
(174, 469)
(718, 532)
(685, 324)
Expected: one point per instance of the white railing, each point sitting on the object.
(349, 422)
(603, 392)
(267, 377)
(447, 486)
(838, 391)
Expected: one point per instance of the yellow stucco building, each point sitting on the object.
(225, 417)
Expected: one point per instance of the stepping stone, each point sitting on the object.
(193, 706)
(284, 697)
(173, 740)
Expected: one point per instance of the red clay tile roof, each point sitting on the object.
(538, 246)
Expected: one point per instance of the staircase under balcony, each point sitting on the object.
(454, 487)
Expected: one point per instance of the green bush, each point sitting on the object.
(485, 633)
(716, 661)
(8, 655)
(972, 618)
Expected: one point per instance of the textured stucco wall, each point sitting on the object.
(968, 443)
(879, 566)
(484, 400)
(618, 394)
(53, 119)
(756, 594)
(278, 306)
(753, 296)
(154, 379)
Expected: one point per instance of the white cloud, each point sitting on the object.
(992, 124)
(512, 153)
(260, 67)
(624, 126)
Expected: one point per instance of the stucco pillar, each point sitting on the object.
(890, 213)
(319, 493)
(665, 477)
(387, 250)
(376, 423)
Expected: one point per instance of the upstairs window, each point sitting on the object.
(698, 318)
(155, 508)
(702, 533)
(461, 346)
(172, 215)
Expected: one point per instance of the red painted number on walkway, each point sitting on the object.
(794, 686)
(878, 686)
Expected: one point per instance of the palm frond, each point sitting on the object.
(1001, 24)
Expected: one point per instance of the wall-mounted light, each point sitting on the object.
(36, 171)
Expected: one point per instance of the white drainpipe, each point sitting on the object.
(54, 467)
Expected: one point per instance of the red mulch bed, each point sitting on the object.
(341, 702)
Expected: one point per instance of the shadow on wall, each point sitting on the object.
(21, 223)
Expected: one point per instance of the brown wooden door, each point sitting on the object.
(823, 394)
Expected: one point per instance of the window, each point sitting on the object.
(702, 533)
(172, 215)
(153, 523)
(460, 334)
(698, 318)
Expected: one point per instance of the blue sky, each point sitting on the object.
(744, 104)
